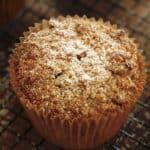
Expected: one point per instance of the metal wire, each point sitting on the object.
(16, 131)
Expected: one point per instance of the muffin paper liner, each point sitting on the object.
(78, 133)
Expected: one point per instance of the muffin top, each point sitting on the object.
(72, 66)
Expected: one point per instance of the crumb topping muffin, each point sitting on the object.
(9, 9)
(77, 67)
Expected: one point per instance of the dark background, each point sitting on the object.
(16, 131)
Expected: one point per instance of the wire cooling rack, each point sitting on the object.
(16, 131)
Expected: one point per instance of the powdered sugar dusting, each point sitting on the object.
(77, 65)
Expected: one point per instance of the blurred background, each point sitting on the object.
(16, 131)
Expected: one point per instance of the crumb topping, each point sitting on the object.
(76, 66)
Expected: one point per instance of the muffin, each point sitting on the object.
(77, 78)
(9, 9)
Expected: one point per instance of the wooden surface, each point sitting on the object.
(16, 131)
(9, 9)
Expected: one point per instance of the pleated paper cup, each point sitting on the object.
(80, 133)
(75, 133)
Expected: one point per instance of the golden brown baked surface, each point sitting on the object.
(73, 67)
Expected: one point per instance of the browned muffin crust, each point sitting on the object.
(72, 67)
